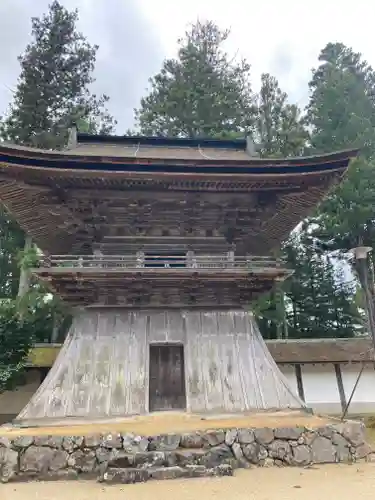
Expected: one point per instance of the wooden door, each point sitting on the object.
(167, 378)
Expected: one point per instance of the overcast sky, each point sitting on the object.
(283, 37)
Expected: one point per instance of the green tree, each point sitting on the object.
(322, 303)
(341, 106)
(341, 114)
(53, 90)
(201, 93)
(279, 127)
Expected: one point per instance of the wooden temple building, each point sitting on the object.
(160, 245)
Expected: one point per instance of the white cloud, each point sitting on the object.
(281, 37)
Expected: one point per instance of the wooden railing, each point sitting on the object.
(161, 262)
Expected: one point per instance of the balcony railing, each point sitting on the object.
(159, 262)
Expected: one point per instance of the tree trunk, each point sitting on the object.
(25, 275)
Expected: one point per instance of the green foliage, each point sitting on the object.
(12, 240)
(318, 301)
(53, 88)
(279, 128)
(341, 105)
(342, 114)
(201, 93)
(28, 258)
(18, 332)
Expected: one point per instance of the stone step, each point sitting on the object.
(180, 457)
(117, 475)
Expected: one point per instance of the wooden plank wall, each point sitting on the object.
(228, 366)
(103, 368)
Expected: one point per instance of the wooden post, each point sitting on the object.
(25, 276)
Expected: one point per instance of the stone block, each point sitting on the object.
(326, 431)
(50, 441)
(93, 441)
(245, 436)
(216, 455)
(71, 443)
(198, 471)
(8, 464)
(5, 442)
(264, 435)
(281, 450)
(301, 455)
(173, 472)
(362, 451)
(215, 437)
(230, 436)
(340, 441)
(192, 440)
(185, 456)
(22, 442)
(223, 470)
(288, 433)
(165, 442)
(125, 476)
(135, 444)
(42, 459)
(57, 475)
(323, 451)
(112, 440)
(254, 452)
(83, 460)
(103, 455)
(354, 432)
(309, 437)
(149, 459)
(239, 456)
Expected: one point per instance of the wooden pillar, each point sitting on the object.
(231, 258)
(301, 391)
(340, 386)
(25, 276)
(140, 257)
(189, 258)
(98, 257)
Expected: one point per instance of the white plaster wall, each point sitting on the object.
(320, 384)
(365, 391)
(289, 373)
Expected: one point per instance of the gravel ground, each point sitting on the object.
(329, 482)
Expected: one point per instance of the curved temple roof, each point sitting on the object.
(39, 187)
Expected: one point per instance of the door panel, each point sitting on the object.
(167, 381)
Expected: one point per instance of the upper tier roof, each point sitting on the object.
(46, 190)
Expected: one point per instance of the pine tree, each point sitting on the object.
(279, 128)
(201, 93)
(53, 90)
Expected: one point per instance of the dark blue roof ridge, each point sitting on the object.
(163, 141)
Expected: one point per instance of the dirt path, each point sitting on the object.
(158, 423)
(326, 482)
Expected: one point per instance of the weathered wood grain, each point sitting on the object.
(103, 368)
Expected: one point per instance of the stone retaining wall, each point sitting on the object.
(128, 458)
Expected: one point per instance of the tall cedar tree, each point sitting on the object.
(201, 93)
(341, 114)
(279, 127)
(53, 90)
